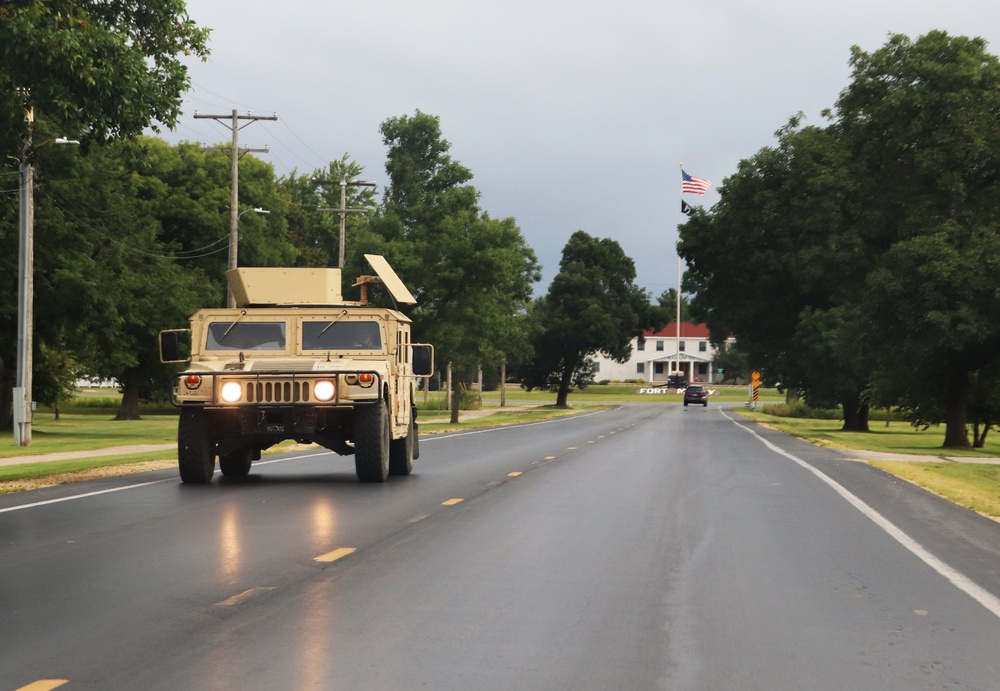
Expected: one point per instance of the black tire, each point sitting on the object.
(236, 464)
(401, 452)
(685, 404)
(706, 404)
(195, 449)
(371, 442)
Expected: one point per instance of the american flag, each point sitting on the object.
(692, 185)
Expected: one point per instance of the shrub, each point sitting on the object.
(798, 409)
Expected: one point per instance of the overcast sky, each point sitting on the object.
(571, 114)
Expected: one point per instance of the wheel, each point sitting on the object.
(195, 450)
(237, 463)
(685, 404)
(401, 452)
(371, 442)
(706, 404)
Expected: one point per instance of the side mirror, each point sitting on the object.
(174, 348)
(423, 359)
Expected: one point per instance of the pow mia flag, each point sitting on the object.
(686, 208)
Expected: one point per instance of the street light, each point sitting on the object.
(234, 241)
(25, 289)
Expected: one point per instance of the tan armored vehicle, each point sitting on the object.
(294, 360)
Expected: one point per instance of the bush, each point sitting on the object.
(798, 409)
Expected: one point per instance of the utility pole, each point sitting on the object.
(25, 301)
(343, 210)
(232, 121)
(22, 403)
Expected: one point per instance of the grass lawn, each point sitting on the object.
(82, 432)
(899, 437)
(975, 486)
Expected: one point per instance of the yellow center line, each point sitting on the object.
(549, 458)
(336, 554)
(514, 474)
(44, 685)
(244, 596)
(450, 502)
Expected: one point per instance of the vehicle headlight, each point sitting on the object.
(232, 391)
(324, 390)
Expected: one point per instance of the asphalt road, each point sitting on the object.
(644, 547)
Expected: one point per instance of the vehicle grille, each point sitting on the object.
(275, 365)
(277, 392)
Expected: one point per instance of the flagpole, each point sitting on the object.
(677, 344)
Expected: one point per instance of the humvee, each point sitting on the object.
(295, 360)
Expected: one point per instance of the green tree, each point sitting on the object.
(312, 227)
(668, 303)
(101, 69)
(470, 273)
(919, 120)
(592, 306)
(778, 262)
(131, 238)
(101, 246)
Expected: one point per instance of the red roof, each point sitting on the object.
(688, 330)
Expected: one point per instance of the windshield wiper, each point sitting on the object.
(332, 322)
(242, 314)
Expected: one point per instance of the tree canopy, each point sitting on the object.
(849, 259)
(592, 306)
(97, 69)
(471, 273)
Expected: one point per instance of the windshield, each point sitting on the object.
(347, 335)
(246, 336)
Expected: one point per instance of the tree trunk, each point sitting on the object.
(456, 400)
(956, 430)
(129, 408)
(563, 395)
(979, 440)
(855, 414)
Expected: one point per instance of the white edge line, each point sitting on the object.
(82, 496)
(958, 579)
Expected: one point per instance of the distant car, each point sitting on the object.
(696, 393)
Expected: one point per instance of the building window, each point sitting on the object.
(658, 367)
(640, 344)
(702, 346)
(682, 346)
(640, 368)
(659, 345)
(597, 366)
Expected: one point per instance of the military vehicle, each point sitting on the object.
(295, 360)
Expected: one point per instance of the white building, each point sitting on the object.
(656, 355)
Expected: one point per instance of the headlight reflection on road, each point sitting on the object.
(230, 545)
(323, 523)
